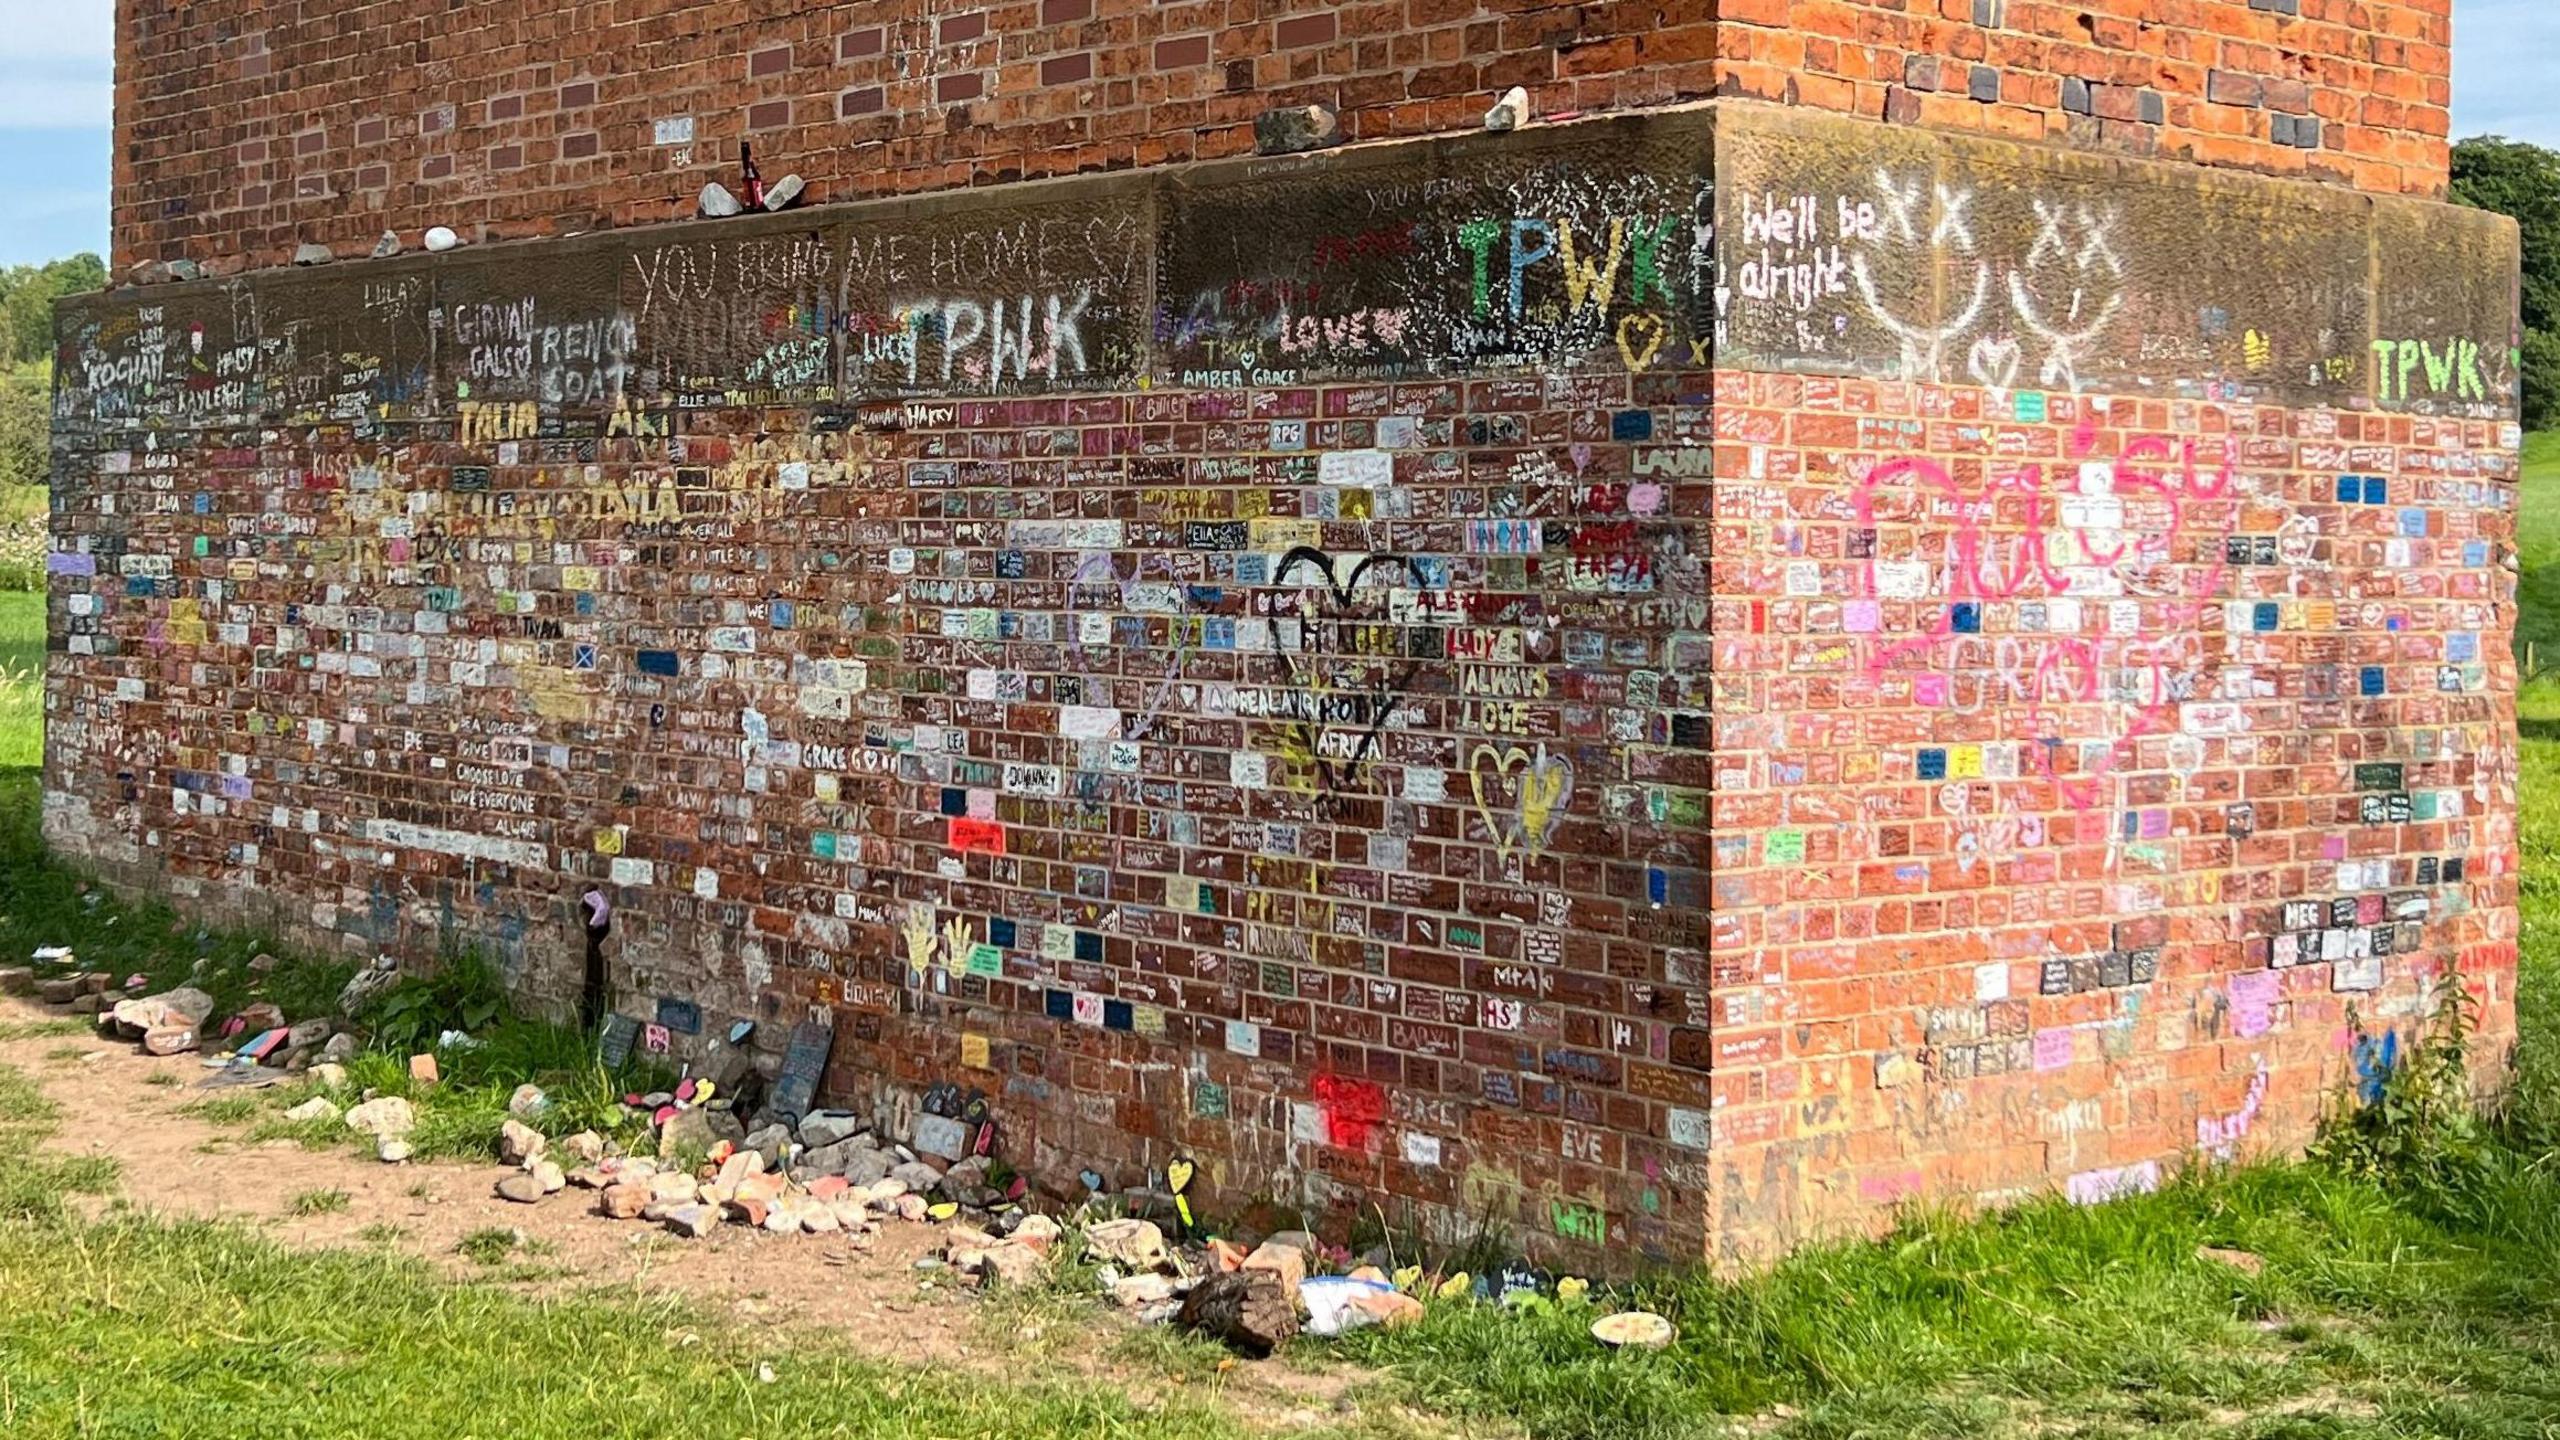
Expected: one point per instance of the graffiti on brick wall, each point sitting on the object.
(1339, 627)
(1246, 646)
(1938, 265)
(2045, 544)
(1551, 264)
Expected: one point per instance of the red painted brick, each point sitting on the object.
(1182, 53)
(1304, 30)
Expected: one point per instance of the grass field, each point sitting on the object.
(2538, 554)
(2422, 1302)
(21, 679)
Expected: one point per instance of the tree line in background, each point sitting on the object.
(27, 293)
(2523, 181)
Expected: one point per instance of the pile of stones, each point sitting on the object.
(180, 1021)
(827, 1175)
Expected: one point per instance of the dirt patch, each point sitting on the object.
(131, 1107)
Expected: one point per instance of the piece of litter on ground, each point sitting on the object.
(1633, 1330)
(241, 1075)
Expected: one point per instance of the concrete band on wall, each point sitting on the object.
(1669, 681)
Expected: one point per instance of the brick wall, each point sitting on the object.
(245, 128)
(1675, 680)
(2336, 90)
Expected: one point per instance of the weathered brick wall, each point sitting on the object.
(1229, 660)
(2349, 91)
(245, 127)
(2112, 673)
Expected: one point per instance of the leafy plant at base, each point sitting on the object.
(2409, 1118)
(462, 993)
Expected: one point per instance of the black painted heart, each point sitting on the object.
(1348, 658)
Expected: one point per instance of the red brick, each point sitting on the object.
(1182, 53)
(1303, 30)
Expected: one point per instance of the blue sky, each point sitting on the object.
(57, 71)
(57, 65)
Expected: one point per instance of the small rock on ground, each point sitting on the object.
(387, 1116)
(1129, 1244)
(519, 1142)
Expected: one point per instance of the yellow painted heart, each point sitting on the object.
(1533, 787)
(1640, 337)
(1177, 1175)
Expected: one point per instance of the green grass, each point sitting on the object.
(320, 1202)
(34, 1186)
(21, 679)
(2538, 554)
(2054, 1314)
(140, 1328)
(488, 1246)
